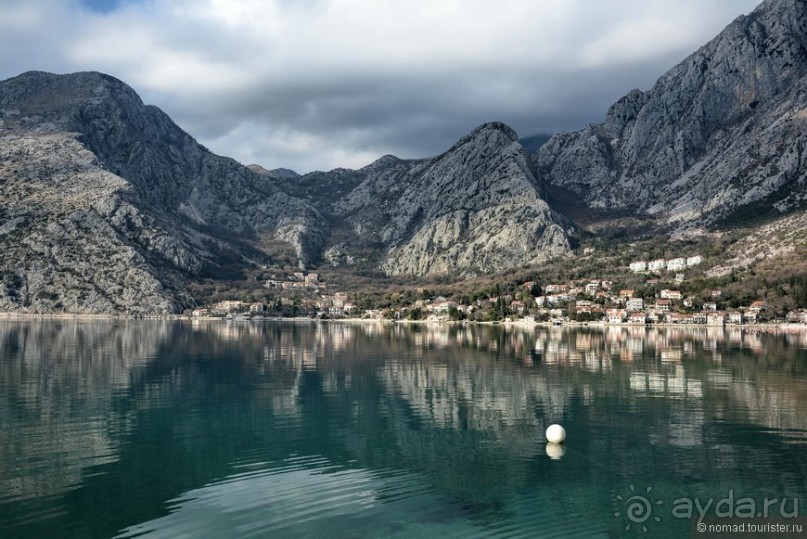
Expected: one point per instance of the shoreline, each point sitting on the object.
(768, 327)
(88, 316)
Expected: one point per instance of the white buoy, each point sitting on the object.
(555, 434)
(555, 451)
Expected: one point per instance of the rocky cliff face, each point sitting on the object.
(107, 205)
(69, 240)
(724, 129)
(476, 208)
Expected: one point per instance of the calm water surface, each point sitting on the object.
(180, 429)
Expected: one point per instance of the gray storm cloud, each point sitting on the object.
(320, 84)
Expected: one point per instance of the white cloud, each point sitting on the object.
(321, 83)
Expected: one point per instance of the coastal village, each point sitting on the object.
(660, 301)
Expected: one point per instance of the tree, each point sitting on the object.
(455, 314)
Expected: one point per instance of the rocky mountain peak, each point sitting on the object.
(382, 162)
(476, 208)
(490, 127)
(112, 206)
(716, 132)
(284, 173)
(107, 205)
(57, 96)
(496, 133)
(277, 173)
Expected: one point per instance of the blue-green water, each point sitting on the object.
(238, 429)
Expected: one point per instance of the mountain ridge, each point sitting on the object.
(702, 141)
(108, 206)
(475, 208)
(151, 193)
(149, 197)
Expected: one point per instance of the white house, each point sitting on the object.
(229, 305)
(676, 264)
(635, 304)
(799, 316)
(656, 265)
(637, 318)
(638, 266)
(558, 298)
(757, 306)
(663, 305)
(694, 260)
(556, 288)
(654, 316)
(592, 287)
(438, 304)
(614, 316)
(671, 294)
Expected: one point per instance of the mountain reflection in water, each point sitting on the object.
(171, 427)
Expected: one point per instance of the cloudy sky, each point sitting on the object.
(317, 84)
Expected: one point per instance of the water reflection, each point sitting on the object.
(555, 451)
(111, 426)
(57, 381)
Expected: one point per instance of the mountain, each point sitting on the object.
(106, 205)
(720, 135)
(476, 208)
(274, 173)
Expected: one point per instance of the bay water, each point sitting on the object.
(131, 428)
